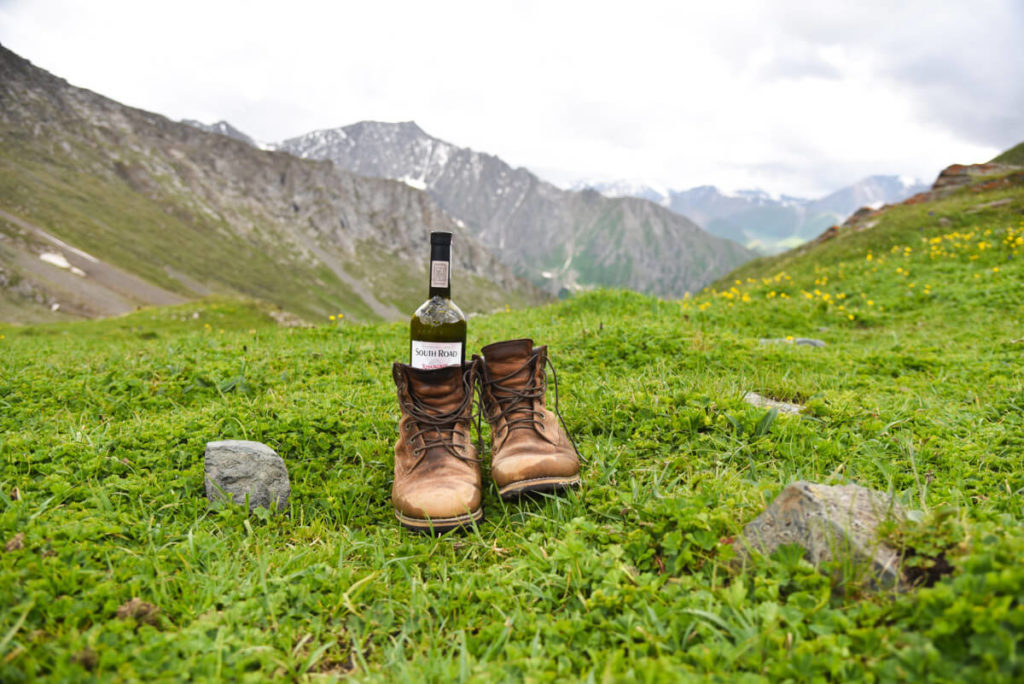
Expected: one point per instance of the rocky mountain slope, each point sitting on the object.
(758, 220)
(104, 208)
(222, 128)
(557, 238)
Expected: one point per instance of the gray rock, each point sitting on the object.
(832, 524)
(760, 401)
(802, 341)
(238, 468)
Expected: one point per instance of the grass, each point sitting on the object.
(919, 392)
(146, 229)
(1014, 155)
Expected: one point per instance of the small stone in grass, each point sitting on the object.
(800, 341)
(239, 468)
(141, 611)
(809, 342)
(15, 543)
(755, 399)
(831, 524)
(87, 658)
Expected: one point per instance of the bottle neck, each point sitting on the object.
(441, 271)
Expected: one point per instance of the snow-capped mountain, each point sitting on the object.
(558, 238)
(759, 220)
(222, 128)
(105, 208)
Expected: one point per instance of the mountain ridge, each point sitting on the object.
(193, 212)
(561, 239)
(758, 219)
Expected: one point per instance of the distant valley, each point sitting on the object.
(762, 222)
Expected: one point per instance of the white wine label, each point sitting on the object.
(438, 274)
(427, 355)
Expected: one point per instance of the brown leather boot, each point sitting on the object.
(531, 452)
(437, 472)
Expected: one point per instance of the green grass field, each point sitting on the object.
(920, 392)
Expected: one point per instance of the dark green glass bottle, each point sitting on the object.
(437, 332)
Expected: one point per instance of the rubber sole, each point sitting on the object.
(440, 525)
(539, 485)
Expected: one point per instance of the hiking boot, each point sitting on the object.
(437, 472)
(531, 450)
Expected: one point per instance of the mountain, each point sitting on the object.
(222, 128)
(104, 208)
(758, 220)
(558, 238)
(1014, 156)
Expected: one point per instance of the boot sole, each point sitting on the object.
(440, 525)
(538, 485)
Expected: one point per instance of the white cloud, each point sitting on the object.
(792, 97)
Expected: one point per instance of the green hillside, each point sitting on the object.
(920, 392)
(1014, 155)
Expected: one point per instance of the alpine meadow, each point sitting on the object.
(116, 567)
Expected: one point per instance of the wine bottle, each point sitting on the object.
(437, 332)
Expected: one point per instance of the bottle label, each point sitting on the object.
(439, 274)
(427, 355)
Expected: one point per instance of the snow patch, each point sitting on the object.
(74, 250)
(60, 261)
(417, 183)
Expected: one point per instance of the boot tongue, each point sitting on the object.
(506, 358)
(437, 387)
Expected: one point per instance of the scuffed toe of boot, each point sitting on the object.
(439, 508)
(529, 472)
(535, 474)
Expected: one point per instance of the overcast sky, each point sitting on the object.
(792, 97)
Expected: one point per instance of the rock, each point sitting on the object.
(944, 222)
(139, 610)
(287, 319)
(958, 175)
(238, 468)
(802, 341)
(989, 205)
(755, 399)
(15, 543)
(832, 524)
(809, 342)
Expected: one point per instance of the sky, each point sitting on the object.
(796, 98)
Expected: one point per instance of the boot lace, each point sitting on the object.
(517, 403)
(437, 428)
